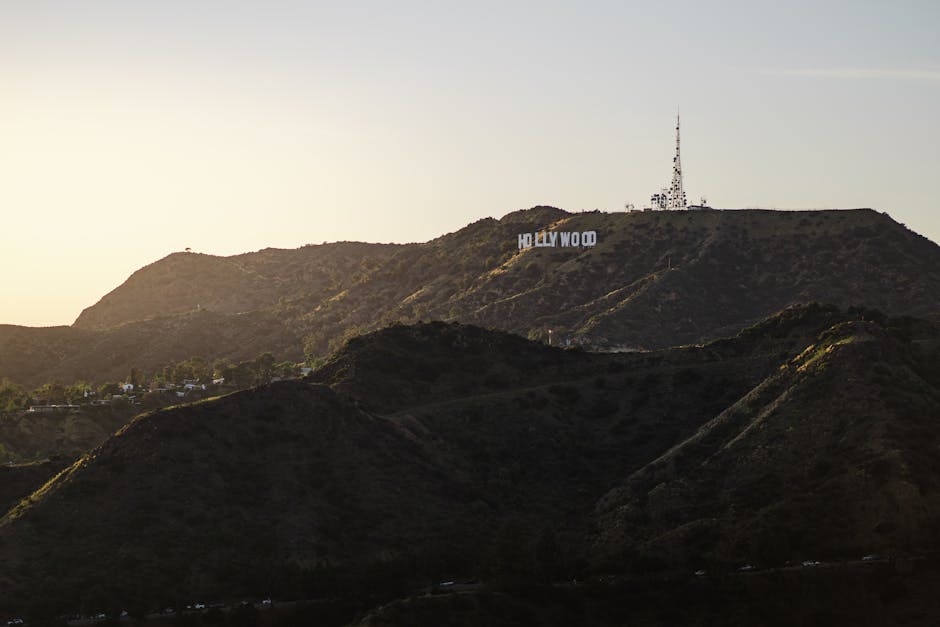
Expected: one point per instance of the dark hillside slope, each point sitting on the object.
(224, 498)
(834, 456)
(871, 594)
(404, 366)
(401, 366)
(273, 488)
(810, 435)
(18, 482)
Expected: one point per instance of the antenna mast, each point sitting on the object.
(676, 193)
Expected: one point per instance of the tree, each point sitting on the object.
(286, 369)
(241, 374)
(221, 367)
(12, 397)
(264, 368)
(50, 393)
(107, 390)
(192, 369)
(180, 372)
(199, 369)
(77, 392)
(230, 374)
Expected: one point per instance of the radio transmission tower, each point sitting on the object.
(676, 195)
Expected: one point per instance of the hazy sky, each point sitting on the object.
(129, 130)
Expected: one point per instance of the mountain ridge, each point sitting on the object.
(654, 279)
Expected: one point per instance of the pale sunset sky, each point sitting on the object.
(129, 130)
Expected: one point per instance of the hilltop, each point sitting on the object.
(654, 279)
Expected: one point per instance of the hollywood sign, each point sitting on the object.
(561, 239)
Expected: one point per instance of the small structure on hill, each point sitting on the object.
(702, 206)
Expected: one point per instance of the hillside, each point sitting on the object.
(184, 500)
(32, 436)
(654, 279)
(18, 482)
(33, 356)
(185, 282)
(833, 456)
(660, 279)
(386, 471)
(402, 366)
(871, 594)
